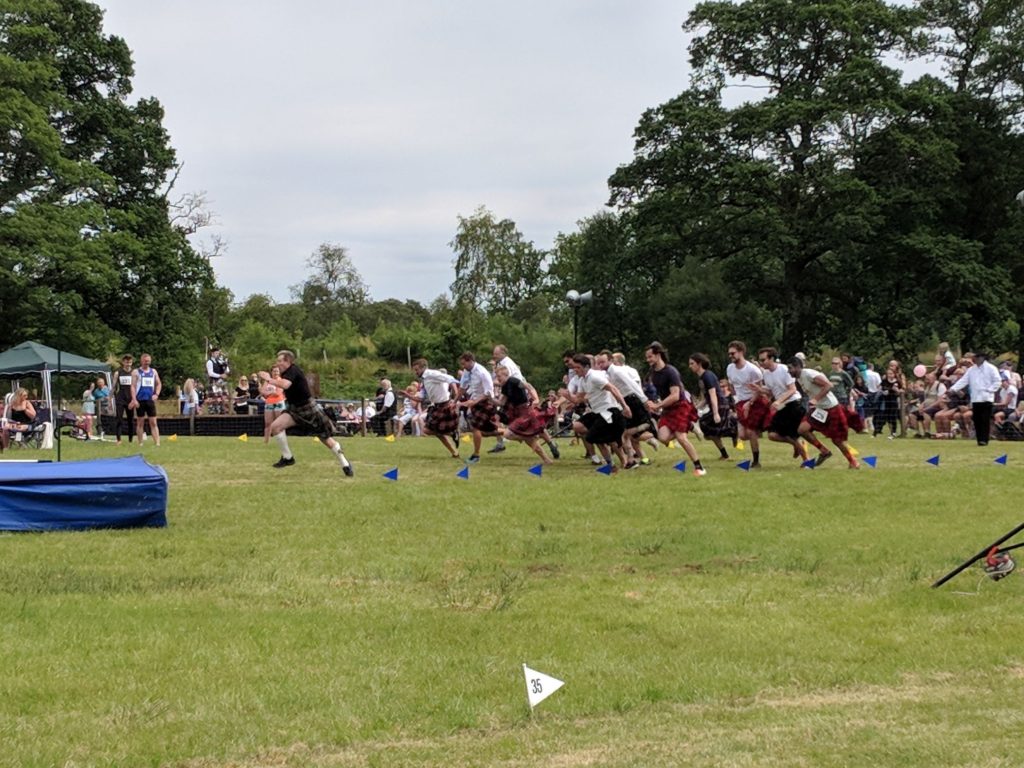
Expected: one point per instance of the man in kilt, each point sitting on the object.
(787, 406)
(604, 424)
(825, 414)
(627, 381)
(302, 411)
(752, 411)
(716, 422)
(442, 419)
(481, 410)
(525, 422)
(678, 414)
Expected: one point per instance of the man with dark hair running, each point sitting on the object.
(678, 415)
(303, 411)
(123, 399)
(826, 414)
(715, 423)
(786, 404)
(752, 412)
(481, 410)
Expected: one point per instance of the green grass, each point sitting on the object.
(297, 618)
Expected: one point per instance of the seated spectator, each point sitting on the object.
(241, 402)
(1012, 428)
(1006, 399)
(921, 416)
(18, 419)
(411, 415)
(949, 420)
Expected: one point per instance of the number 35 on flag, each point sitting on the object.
(539, 686)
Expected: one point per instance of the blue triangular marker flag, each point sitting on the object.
(809, 464)
(870, 461)
(934, 460)
(463, 473)
(391, 474)
(536, 469)
(1001, 460)
(744, 465)
(681, 466)
(605, 469)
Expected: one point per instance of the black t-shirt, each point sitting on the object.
(709, 381)
(298, 393)
(665, 379)
(514, 392)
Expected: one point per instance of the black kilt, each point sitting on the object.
(639, 416)
(312, 419)
(600, 431)
(786, 422)
(726, 426)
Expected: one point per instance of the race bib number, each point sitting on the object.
(819, 415)
(125, 381)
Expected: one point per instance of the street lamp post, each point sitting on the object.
(577, 300)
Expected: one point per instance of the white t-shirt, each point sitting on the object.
(812, 388)
(514, 371)
(624, 382)
(743, 380)
(872, 380)
(593, 386)
(778, 381)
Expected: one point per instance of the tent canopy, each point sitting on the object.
(30, 358)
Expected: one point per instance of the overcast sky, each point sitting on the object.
(373, 125)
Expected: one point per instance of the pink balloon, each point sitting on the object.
(920, 370)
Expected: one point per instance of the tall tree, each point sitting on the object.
(84, 226)
(496, 268)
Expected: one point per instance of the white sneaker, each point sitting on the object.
(596, 460)
(700, 472)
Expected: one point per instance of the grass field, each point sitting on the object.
(298, 618)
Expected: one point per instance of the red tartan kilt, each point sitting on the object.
(834, 428)
(442, 419)
(525, 420)
(679, 418)
(754, 414)
(854, 421)
(484, 416)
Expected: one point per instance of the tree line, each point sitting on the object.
(803, 191)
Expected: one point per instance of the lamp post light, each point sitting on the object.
(577, 300)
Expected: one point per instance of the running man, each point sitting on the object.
(303, 411)
(786, 406)
(442, 419)
(752, 412)
(678, 414)
(825, 413)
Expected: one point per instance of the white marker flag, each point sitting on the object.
(539, 686)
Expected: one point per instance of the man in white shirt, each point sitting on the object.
(982, 381)
(752, 413)
(639, 421)
(442, 419)
(603, 425)
(786, 404)
(479, 403)
(825, 413)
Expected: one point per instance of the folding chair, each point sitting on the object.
(20, 435)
